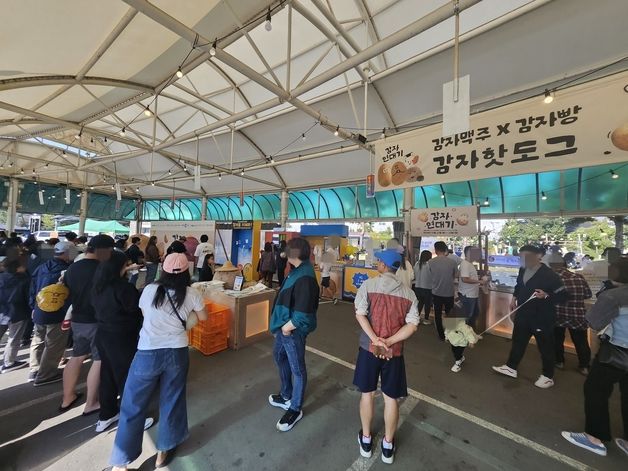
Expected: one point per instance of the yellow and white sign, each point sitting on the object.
(460, 221)
(584, 125)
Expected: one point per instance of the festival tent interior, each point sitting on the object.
(148, 101)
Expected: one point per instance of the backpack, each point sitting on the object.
(52, 297)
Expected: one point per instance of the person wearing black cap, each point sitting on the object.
(79, 280)
(540, 289)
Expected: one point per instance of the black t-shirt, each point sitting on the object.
(117, 308)
(134, 253)
(79, 279)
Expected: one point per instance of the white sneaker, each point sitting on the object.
(544, 382)
(458, 365)
(506, 371)
(103, 425)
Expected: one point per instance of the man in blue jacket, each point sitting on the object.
(49, 340)
(293, 318)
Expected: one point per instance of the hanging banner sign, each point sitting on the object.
(460, 221)
(583, 126)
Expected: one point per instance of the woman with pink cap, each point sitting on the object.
(170, 307)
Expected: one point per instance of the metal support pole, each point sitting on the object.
(12, 205)
(204, 208)
(284, 209)
(139, 214)
(83, 212)
(407, 208)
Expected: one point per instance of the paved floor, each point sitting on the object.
(473, 420)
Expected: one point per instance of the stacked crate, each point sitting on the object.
(211, 336)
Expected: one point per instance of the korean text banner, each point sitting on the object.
(460, 221)
(585, 125)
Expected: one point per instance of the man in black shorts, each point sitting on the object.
(387, 313)
(78, 278)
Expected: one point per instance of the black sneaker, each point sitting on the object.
(388, 454)
(32, 376)
(276, 400)
(13, 366)
(366, 449)
(55, 379)
(289, 420)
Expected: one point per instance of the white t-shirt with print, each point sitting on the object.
(202, 249)
(467, 270)
(161, 327)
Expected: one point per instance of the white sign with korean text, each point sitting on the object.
(459, 221)
(585, 125)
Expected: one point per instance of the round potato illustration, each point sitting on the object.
(383, 175)
(462, 219)
(414, 174)
(424, 217)
(399, 173)
(619, 137)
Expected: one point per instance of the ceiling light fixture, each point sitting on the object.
(212, 50)
(21, 171)
(383, 136)
(336, 132)
(123, 132)
(487, 202)
(442, 195)
(242, 172)
(220, 176)
(548, 97)
(179, 73)
(152, 183)
(80, 134)
(543, 196)
(268, 25)
(148, 112)
(303, 136)
(614, 175)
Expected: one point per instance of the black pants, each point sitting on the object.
(458, 352)
(441, 303)
(424, 296)
(116, 354)
(580, 341)
(544, 335)
(597, 390)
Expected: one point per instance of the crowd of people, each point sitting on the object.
(137, 341)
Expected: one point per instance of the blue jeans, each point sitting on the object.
(289, 353)
(471, 309)
(167, 367)
(151, 272)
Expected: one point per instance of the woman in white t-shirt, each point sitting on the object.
(405, 274)
(170, 308)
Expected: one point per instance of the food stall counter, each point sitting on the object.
(250, 315)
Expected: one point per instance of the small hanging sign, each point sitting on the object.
(370, 186)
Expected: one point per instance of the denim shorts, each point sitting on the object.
(84, 338)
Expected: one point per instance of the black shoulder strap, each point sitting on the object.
(183, 323)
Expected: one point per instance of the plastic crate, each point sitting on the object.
(217, 318)
(208, 343)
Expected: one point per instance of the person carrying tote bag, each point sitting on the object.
(170, 307)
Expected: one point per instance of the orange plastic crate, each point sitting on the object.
(217, 318)
(208, 343)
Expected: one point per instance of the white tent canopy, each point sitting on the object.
(75, 73)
